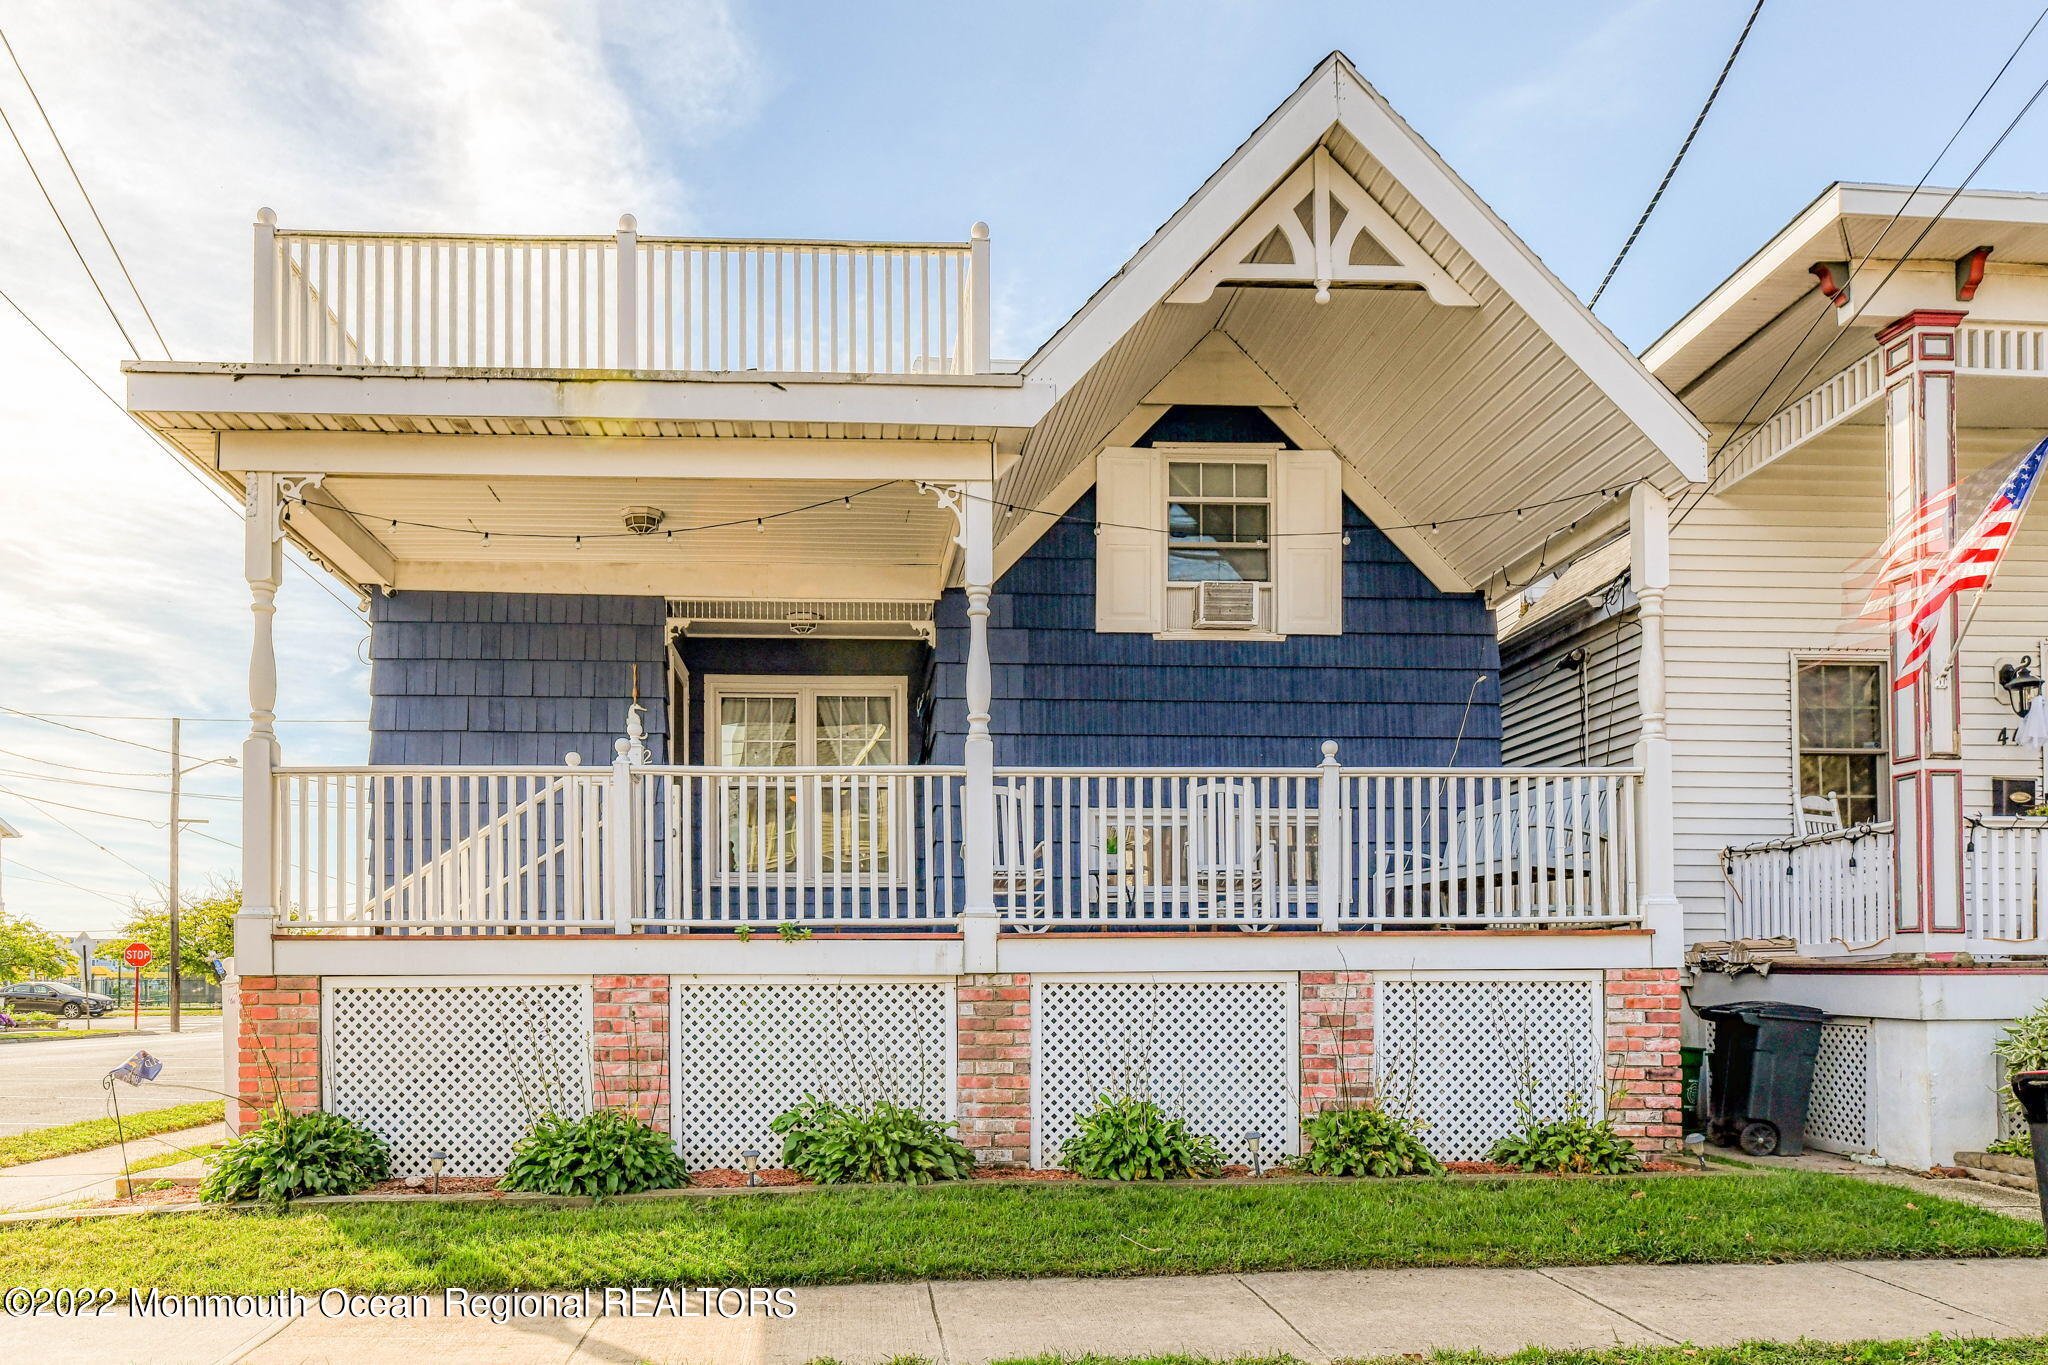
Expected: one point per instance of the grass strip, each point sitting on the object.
(69, 1139)
(1934, 1350)
(971, 1231)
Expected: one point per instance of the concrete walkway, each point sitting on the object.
(1315, 1316)
(91, 1175)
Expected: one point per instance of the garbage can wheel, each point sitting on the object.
(1759, 1138)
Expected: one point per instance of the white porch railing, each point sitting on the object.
(1833, 892)
(665, 849)
(813, 845)
(620, 302)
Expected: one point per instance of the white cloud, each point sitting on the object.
(120, 578)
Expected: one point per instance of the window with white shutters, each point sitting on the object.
(1171, 519)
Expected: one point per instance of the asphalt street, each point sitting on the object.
(59, 1082)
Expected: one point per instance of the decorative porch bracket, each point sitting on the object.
(973, 507)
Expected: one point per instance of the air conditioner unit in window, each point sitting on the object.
(1225, 605)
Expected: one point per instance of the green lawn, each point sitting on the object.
(67, 1139)
(974, 1231)
(1922, 1351)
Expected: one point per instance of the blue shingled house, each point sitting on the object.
(775, 691)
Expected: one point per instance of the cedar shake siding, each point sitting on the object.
(1391, 690)
(512, 678)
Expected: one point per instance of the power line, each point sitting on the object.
(177, 457)
(1683, 148)
(80, 729)
(40, 801)
(1715, 467)
(80, 767)
(189, 720)
(110, 786)
(65, 228)
(17, 865)
(85, 194)
(81, 833)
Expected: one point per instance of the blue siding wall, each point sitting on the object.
(476, 677)
(793, 656)
(1391, 690)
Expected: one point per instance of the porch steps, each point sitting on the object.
(2013, 1172)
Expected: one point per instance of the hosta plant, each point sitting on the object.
(1125, 1138)
(845, 1144)
(607, 1151)
(290, 1156)
(1572, 1145)
(1365, 1139)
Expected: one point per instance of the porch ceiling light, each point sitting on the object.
(643, 521)
(803, 622)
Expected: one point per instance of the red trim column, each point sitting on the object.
(1918, 353)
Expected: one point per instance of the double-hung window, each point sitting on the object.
(1218, 521)
(1839, 728)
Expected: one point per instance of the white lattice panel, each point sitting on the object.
(461, 1069)
(1220, 1054)
(1837, 1112)
(1459, 1054)
(744, 1053)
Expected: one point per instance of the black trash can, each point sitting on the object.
(1762, 1074)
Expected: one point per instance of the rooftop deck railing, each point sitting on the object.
(622, 302)
(649, 849)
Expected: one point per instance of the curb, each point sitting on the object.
(68, 1034)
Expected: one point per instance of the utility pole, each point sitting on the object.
(177, 774)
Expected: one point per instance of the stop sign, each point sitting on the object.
(136, 955)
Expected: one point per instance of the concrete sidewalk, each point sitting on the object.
(91, 1175)
(1314, 1315)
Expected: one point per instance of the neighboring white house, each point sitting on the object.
(1077, 719)
(1887, 833)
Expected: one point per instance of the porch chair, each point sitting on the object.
(1021, 880)
(1227, 858)
(1819, 815)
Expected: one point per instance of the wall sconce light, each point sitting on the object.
(2020, 684)
(750, 1162)
(1252, 1141)
(435, 1161)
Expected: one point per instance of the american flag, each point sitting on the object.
(1970, 562)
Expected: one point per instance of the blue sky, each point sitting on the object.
(1073, 129)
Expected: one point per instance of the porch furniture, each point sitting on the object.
(1819, 815)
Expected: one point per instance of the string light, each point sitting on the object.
(760, 522)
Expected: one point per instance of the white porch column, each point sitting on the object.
(1918, 353)
(979, 924)
(263, 566)
(1649, 517)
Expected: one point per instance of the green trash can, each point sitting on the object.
(1690, 1059)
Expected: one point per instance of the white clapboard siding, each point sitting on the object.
(1761, 574)
(1546, 721)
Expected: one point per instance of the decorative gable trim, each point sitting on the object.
(1319, 213)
